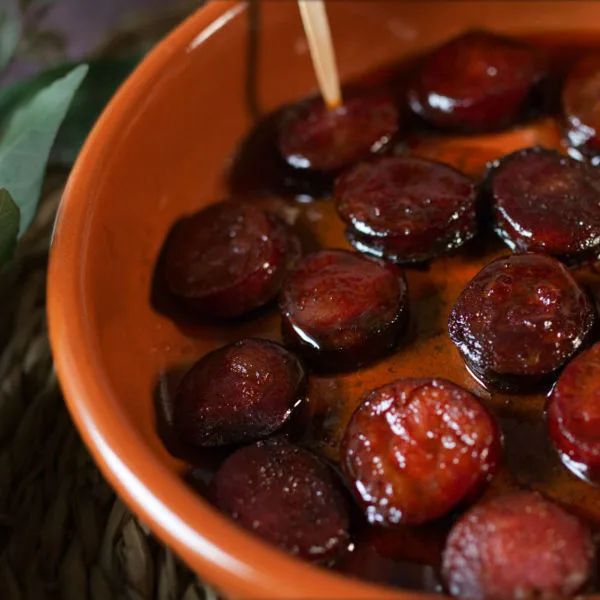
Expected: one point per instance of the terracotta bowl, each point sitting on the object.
(161, 150)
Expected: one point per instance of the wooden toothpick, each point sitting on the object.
(318, 34)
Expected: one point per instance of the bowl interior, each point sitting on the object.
(162, 150)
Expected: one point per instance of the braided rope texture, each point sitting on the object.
(63, 533)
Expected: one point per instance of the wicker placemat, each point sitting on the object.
(63, 533)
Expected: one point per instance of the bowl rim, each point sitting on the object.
(212, 545)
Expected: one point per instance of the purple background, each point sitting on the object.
(70, 29)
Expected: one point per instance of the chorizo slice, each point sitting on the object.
(406, 209)
(287, 496)
(581, 105)
(229, 259)
(239, 393)
(515, 546)
(478, 81)
(573, 415)
(547, 202)
(341, 310)
(405, 251)
(416, 448)
(316, 138)
(520, 320)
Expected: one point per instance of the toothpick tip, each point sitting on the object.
(320, 43)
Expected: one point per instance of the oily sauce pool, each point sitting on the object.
(408, 557)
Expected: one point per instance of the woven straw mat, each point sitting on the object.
(63, 533)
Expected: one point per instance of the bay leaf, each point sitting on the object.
(27, 138)
(102, 81)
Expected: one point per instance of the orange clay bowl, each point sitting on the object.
(160, 150)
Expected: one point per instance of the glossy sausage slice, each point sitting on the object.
(229, 258)
(581, 105)
(316, 138)
(517, 546)
(519, 320)
(546, 202)
(573, 415)
(287, 496)
(478, 81)
(406, 209)
(416, 448)
(342, 310)
(238, 394)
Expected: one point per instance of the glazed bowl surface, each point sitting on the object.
(161, 150)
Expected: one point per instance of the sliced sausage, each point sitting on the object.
(581, 105)
(406, 209)
(416, 448)
(478, 81)
(258, 170)
(519, 320)
(342, 310)
(317, 138)
(238, 394)
(516, 546)
(229, 258)
(396, 249)
(546, 202)
(573, 415)
(287, 496)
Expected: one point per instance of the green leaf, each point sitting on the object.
(9, 226)
(101, 83)
(27, 138)
(10, 33)
(20, 92)
(103, 79)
